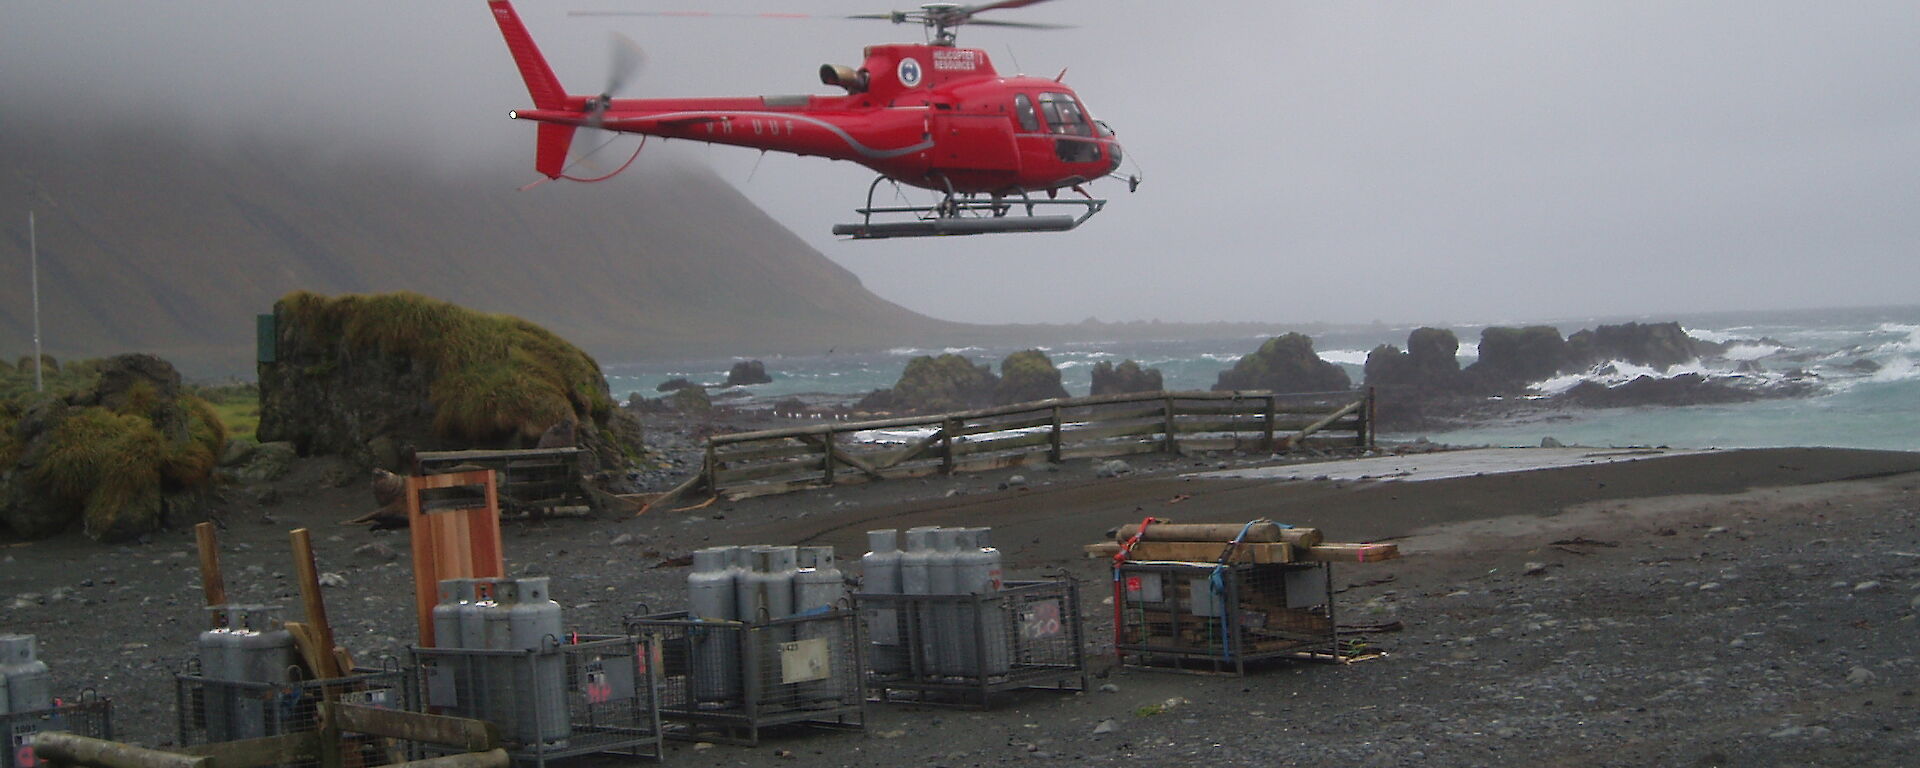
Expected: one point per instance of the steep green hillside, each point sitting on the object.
(156, 242)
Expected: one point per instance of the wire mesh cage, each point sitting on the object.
(593, 694)
(1219, 618)
(212, 710)
(961, 650)
(728, 680)
(90, 715)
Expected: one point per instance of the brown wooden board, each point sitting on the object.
(452, 543)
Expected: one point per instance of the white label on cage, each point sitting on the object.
(805, 661)
(379, 698)
(1144, 588)
(440, 687)
(1042, 619)
(884, 627)
(1306, 587)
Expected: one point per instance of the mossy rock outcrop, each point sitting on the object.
(352, 373)
(949, 382)
(1284, 364)
(1128, 376)
(1026, 376)
(120, 458)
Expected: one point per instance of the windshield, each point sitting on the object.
(1064, 114)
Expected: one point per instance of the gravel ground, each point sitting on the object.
(1734, 608)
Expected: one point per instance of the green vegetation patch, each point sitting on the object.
(492, 375)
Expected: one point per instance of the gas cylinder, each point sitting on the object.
(455, 594)
(950, 654)
(28, 686)
(880, 575)
(258, 652)
(716, 653)
(978, 564)
(534, 624)
(916, 578)
(818, 588)
(210, 647)
(767, 592)
(483, 625)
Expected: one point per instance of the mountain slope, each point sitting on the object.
(154, 240)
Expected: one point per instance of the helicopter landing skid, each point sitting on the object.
(966, 216)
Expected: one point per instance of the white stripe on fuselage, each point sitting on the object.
(864, 150)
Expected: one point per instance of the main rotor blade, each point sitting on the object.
(1017, 24)
(704, 14)
(973, 9)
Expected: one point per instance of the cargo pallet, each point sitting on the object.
(1206, 617)
(728, 681)
(963, 650)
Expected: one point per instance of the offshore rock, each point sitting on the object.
(1026, 376)
(949, 382)
(1110, 379)
(1659, 345)
(1284, 364)
(748, 372)
(1512, 358)
(673, 385)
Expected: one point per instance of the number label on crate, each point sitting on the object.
(23, 756)
(1040, 620)
(805, 661)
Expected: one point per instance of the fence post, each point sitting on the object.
(1171, 446)
(1267, 441)
(1053, 441)
(826, 453)
(710, 467)
(1368, 428)
(947, 427)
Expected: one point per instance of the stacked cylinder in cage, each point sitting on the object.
(248, 645)
(25, 684)
(756, 585)
(954, 639)
(524, 694)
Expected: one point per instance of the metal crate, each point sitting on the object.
(212, 710)
(1220, 618)
(90, 715)
(596, 694)
(961, 650)
(728, 680)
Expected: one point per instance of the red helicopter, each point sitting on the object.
(927, 115)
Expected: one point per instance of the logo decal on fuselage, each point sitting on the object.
(909, 72)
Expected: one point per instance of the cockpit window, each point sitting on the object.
(1064, 114)
(1023, 107)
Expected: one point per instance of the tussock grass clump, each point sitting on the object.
(108, 464)
(492, 376)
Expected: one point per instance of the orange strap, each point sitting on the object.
(1126, 547)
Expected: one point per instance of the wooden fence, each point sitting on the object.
(750, 464)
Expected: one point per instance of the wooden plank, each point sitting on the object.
(1249, 407)
(477, 455)
(1196, 551)
(736, 475)
(1130, 414)
(455, 543)
(493, 758)
(213, 585)
(1041, 420)
(307, 576)
(1029, 440)
(258, 753)
(911, 451)
(1223, 532)
(1119, 429)
(60, 747)
(1349, 553)
(997, 462)
(1322, 423)
(457, 732)
(741, 452)
(1198, 426)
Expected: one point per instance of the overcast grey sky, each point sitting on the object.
(1439, 162)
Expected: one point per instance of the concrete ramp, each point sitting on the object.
(1444, 464)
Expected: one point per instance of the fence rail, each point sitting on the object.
(749, 464)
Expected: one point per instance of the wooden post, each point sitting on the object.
(212, 583)
(1053, 440)
(710, 468)
(1172, 446)
(1267, 441)
(1368, 427)
(947, 428)
(826, 454)
(316, 606)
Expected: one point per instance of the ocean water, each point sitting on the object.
(1861, 361)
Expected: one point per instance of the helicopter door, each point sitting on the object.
(973, 143)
